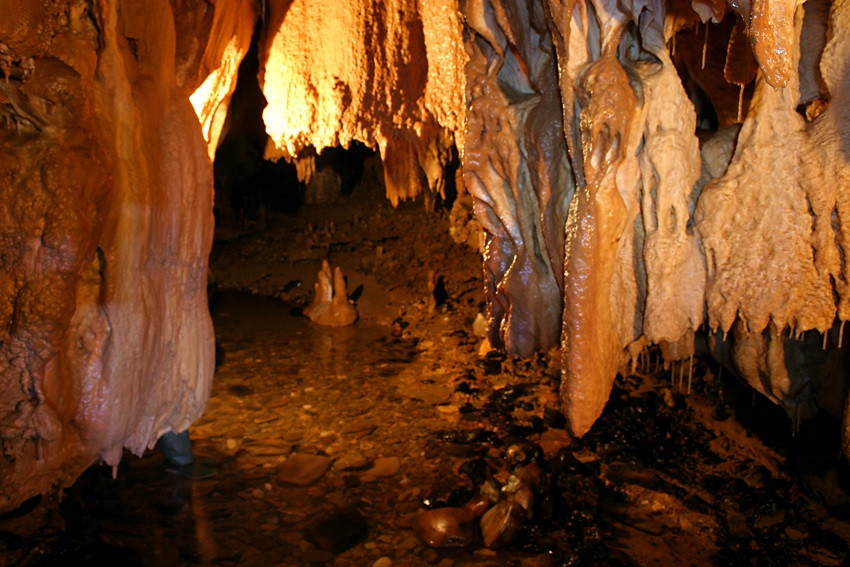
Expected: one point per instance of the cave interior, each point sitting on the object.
(485, 282)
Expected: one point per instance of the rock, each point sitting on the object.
(383, 562)
(385, 466)
(480, 327)
(447, 495)
(331, 306)
(478, 505)
(553, 440)
(501, 523)
(353, 462)
(445, 527)
(302, 469)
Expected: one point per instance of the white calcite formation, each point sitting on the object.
(389, 74)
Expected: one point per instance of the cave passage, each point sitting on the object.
(492, 283)
(377, 441)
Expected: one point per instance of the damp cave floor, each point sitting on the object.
(404, 410)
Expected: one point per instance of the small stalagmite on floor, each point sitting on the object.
(331, 306)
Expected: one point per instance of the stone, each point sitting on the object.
(480, 326)
(501, 523)
(303, 469)
(445, 527)
(552, 441)
(385, 466)
(331, 306)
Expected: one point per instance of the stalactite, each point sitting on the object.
(366, 88)
(107, 224)
(515, 167)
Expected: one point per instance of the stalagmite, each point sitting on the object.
(331, 306)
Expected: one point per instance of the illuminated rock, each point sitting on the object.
(105, 230)
(388, 74)
(331, 306)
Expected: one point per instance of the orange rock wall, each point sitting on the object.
(105, 230)
(387, 73)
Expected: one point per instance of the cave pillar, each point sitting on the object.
(105, 337)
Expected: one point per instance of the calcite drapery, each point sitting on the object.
(388, 74)
(515, 167)
(212, 39)
(657, 293)
(106, 226)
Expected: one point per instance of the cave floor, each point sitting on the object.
(330, 443)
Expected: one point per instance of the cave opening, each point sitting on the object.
(434, 429)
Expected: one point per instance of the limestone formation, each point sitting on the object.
(331, 306)
(105, 230)
(388, 74)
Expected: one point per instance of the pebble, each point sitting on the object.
(553, 440)
(480, 327)
(353, 462)
(383, 562)
(501, 523)
(385, 466)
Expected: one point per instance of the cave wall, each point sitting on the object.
(106, 222)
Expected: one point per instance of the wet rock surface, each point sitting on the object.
(410, 448)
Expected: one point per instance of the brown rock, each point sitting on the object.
(303, 469)
(552, 441)
(501, 523)
(445, 527)
(330, 306)
(385, 466)
(105, 230)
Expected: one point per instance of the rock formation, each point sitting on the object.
(331, 306)
(105, 230)
(387, 73)
(612, 219)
